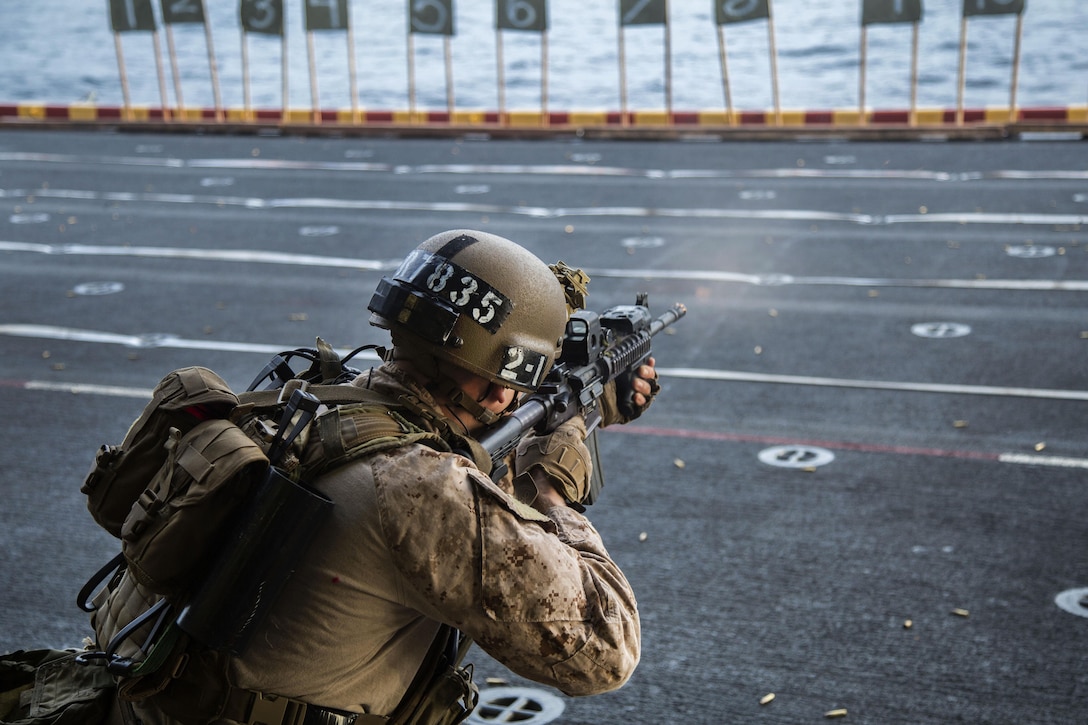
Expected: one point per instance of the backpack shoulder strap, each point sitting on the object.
(327, 394)
(360, 422)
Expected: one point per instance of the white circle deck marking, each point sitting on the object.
(1031, 251)
(940, 329)
(28, 218)
(796, 456)
(516, 704)
(471, 189)
(97, 289)
(643, 242)
(1073, 601)
(758, 194)
(330, 230)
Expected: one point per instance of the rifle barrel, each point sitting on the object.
(674, 313)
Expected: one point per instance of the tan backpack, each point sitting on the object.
(210, 496)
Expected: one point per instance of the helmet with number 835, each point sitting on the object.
(479, 301)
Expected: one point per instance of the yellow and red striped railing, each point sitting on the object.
(786, 122)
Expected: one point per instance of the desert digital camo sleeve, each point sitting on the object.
(538, 593)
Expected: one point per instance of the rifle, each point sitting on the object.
(597, 349)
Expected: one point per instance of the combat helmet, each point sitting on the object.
(479, 301)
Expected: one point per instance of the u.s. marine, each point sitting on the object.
(422, 544)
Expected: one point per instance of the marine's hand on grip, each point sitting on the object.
(553, 469)
(629, 395)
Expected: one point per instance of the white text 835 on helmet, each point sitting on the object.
(478, 301)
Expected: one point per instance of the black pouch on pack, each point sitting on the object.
(442, 692)
(47, 687)
(255, 562)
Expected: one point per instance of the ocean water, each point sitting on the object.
(62, 51)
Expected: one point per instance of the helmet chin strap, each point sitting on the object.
(457, 396)
(445, 388)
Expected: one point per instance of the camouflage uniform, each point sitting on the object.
(420, 537)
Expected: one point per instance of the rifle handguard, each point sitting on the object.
(562, 456)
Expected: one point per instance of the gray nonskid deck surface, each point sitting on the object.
(862, 488)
